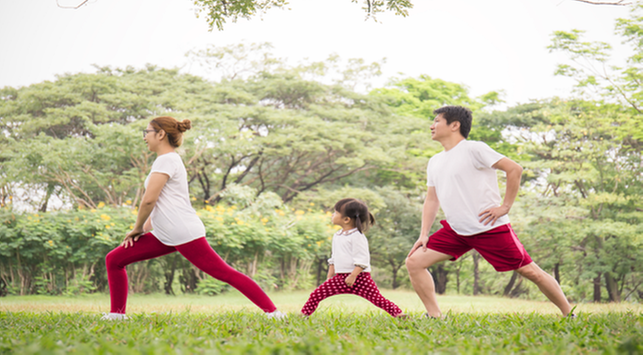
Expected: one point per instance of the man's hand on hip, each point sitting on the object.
(491, 215)
(421, 243)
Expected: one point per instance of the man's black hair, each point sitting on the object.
(457, 113)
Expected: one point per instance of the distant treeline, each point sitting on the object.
(273, 148)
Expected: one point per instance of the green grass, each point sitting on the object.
(229, 324)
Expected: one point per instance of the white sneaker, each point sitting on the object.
(275, 315)
(114, 316)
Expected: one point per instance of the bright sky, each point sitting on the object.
(486, 45)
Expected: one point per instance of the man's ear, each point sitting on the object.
(455, 126)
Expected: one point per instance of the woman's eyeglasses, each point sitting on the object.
(146, 131)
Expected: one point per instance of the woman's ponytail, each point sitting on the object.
(183, 125)
(173, 128)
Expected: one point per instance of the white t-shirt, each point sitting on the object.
(350, 249)
(174, 221)
(466, 185)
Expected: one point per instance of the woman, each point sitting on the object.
(166, 223)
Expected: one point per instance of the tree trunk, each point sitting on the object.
(395, 268)
(50, 190)
(293, 272)
(457, 274)
(188, 279)
(282, 268)
(24, 277)
(3, 288)
(612, 288)
(597, 280)
(440, 276)
(320, 270)
(251, 269)
(169, 277)
(557, 272)
(255, 263)
(518, 290)
(511, 283)
(597, 288)
(476, 274)
(394, 278)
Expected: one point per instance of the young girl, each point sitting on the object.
(349, 265)
(167, 223)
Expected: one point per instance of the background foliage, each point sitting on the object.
(274, 146)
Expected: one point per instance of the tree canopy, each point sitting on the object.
(218, 12)
(274, 146)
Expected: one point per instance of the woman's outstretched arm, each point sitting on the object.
(152, 192)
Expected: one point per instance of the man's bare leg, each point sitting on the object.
(547, 285)
(422, 280)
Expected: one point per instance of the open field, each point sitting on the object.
(291, 302)
(229, 324)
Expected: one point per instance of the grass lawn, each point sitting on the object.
(230, 324)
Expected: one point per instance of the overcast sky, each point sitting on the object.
(486, 45)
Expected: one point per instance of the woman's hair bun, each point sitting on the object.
(184, 125)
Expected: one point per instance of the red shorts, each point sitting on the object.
(499, 246)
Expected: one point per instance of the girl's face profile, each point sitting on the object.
(338, 218)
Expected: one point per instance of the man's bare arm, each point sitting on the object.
(429, 211)
(514, 173)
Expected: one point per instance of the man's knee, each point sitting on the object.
(416, 263)
(412, 264)
(532, 272)
(421, 260)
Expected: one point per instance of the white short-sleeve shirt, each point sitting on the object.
(466, 184)
(174, 221)
(350, 249)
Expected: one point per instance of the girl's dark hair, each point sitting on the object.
(173, 128)
(357, 211)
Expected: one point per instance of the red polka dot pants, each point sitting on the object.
(364, 286)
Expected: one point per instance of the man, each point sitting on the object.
(462, 179)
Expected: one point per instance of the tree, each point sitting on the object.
(613, 3)
(590, 63)
(615, 160)
(218, 12)
(419, 97)
(581, 213)
(276, 129)
(77, 137)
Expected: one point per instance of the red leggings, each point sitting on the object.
(364, 286)
(198, 252)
